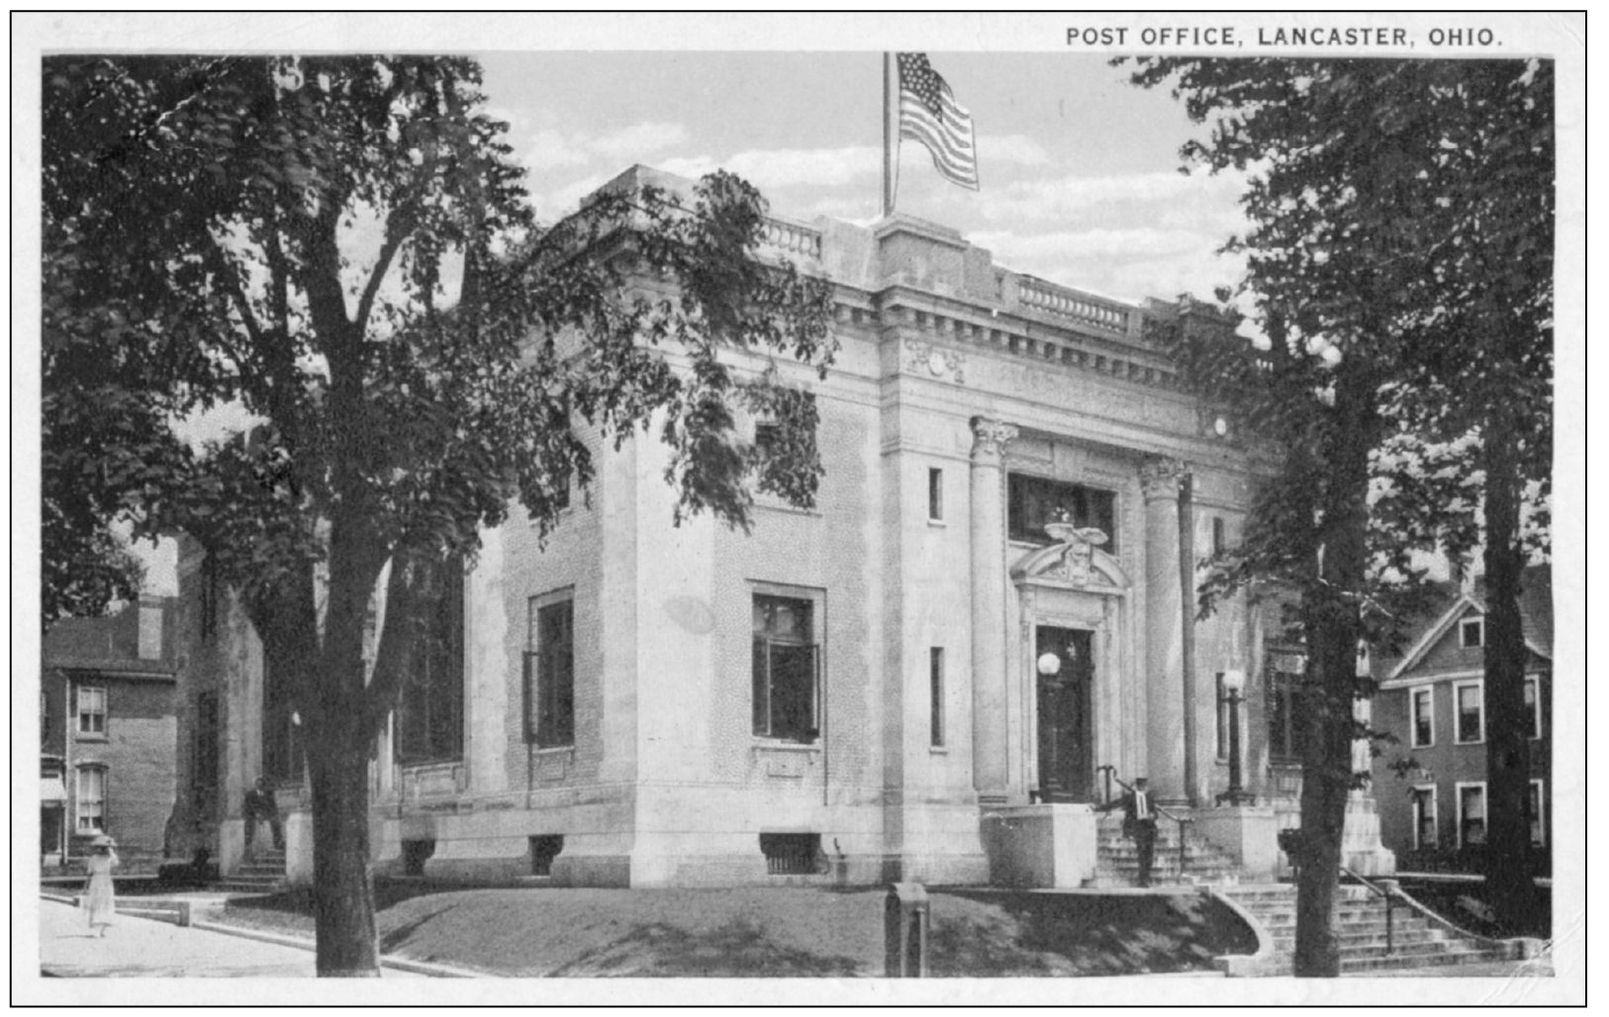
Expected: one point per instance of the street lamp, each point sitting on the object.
(1234, 682)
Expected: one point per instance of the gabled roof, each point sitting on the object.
(1536, 618)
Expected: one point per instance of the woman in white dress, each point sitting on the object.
(97, 900)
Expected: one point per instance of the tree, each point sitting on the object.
(1399, 261)
(342, 247)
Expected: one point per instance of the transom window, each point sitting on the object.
(1034, 501)
(786, 667)
(92, 709)
(550, 673)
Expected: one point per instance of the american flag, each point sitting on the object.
(929, 113)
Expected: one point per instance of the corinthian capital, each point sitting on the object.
(1159, 477)
(990, 436)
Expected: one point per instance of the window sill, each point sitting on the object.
(552, 750)
(937, 524)
(1473, 741)
(774, 504)
(1422, 745)
(777, 745)
(84, 737)
(938, 750)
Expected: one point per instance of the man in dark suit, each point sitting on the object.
(1139, 824)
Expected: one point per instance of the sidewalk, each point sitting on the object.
(139, 947)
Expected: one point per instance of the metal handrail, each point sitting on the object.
(1181, 820)
(1387, 890)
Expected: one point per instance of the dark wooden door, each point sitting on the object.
(1066, 748)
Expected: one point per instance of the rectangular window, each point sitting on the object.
(1217, 535)
(1422, 717)
(935, 495)
(208, 602)
(91, 799)
(1538, 815)
(282, 728)
(1533, 703)
(1471, 815)
(786, 664)
(1467, 700)
(1472, 633)
(1284, 706)
(1221, 739)
(935, 680)
(430, 717)
(550, 673)
(1424, 818)
(1034, 501)
(91, 709)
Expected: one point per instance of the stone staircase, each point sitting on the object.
(1118, 861)
(263, 874)
(1417, 940)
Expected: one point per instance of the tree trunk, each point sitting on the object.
(1510, 863)
(1331, 616)
(343, 888)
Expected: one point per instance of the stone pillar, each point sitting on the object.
(990, 765)
(1164, 632)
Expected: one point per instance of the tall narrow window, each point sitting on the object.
(1536, 807)
(1222, 734)
(91, 799)
(1533, 705)
(282, 727)
(1284, 705)
(204, 755)
(1471, 815)
(550, 673)
(1424, 818)
(935, 681)
(430, 720)
(1471, 719)
(1422, 719)
(92, 710)
(1217, 535)
(785, 668)
(935, 495)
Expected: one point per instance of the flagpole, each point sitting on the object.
(890, 165)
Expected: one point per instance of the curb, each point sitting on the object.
(302, 943)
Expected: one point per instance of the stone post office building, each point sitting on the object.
(915, 679)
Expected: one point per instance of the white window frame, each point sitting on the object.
(1458, 712)
(1486, 809)
(1535, 682)
(1413, 719)
(1435, 814)
(83, 712)
(1480, 633)
(81, 812)
(817, 598)
(1541, 812)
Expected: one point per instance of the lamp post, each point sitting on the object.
(1234, 683)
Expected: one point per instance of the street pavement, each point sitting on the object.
(140, 947)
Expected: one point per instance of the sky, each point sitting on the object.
(1079, 170)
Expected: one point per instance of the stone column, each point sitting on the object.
(990, 766)
(1164, 632)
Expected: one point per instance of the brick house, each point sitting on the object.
(107, 735)
(990, 608)
(1431, 782)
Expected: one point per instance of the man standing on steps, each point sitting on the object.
(261, 806)
(1139, 824)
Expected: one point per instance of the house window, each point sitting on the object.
(1425, 833)
(1221, 739)
(1472, 633)
(550, 671)
(1034, 501)
(935, 680)
(91, 799)
(1471, 720)
(1537, 816)
(1471, 814)
(1284, 706)
(430, 716)
(935, 495)
(786, 662)
(1422, 717)
(1533, 703)
(92, 710)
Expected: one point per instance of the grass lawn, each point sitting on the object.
(763, 932)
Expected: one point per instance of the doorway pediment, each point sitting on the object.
(1075, 560)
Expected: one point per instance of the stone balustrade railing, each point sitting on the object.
(1080, 307)
(793, 239)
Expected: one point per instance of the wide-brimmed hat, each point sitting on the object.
(103, 841)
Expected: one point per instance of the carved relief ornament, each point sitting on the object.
(1160, 476)
(991, 436)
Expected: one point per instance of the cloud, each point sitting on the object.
(1054, 197)
(1013, 148)
(550, 149)
(789, 167)
(1129, 264)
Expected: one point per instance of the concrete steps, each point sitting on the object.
(263, 874)
(1359, 920)
(1118, 860)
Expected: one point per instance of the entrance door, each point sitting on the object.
(1066, 671)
